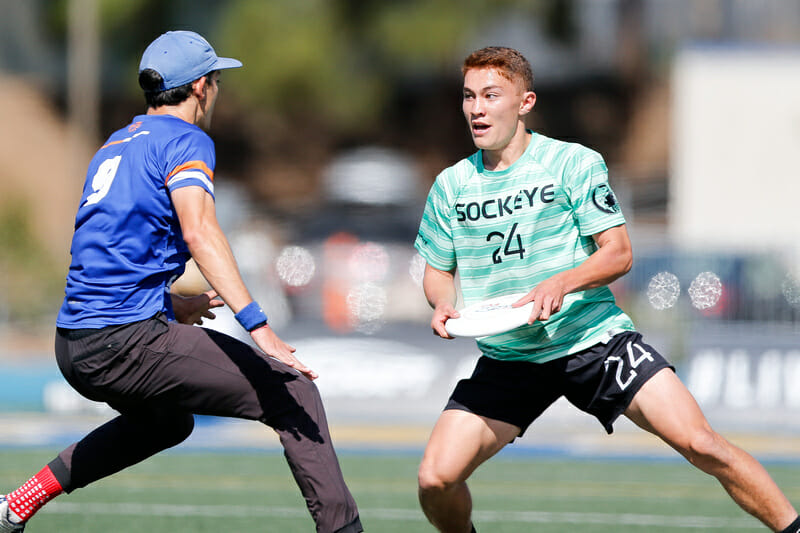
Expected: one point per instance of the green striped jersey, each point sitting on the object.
(506, 231)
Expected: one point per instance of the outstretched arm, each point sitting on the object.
(212, 253)
(440, 290)
(613, 259)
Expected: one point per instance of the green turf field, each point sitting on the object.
(247, 492)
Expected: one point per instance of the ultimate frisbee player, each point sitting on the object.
(533, 215)
(122, 338)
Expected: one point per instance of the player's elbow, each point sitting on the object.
(626, 263)
(624, 257)
(197, 239)
(193, 237)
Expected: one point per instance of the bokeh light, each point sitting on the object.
(705, 290)
(790, 287)
(663, 290)
(369, 262)
(416, 268)
(295, 266)
(366, 304)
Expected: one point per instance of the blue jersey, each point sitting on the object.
(128, 248)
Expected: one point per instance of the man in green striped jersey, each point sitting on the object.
(530, 214)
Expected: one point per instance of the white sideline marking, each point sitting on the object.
(540, 517)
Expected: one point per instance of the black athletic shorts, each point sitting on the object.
(601, 380)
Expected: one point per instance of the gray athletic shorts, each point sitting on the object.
(601, 380)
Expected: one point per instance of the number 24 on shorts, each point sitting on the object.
(633, 362)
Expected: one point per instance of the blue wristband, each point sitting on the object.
(251, 317)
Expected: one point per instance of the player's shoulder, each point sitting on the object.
(555, 153)
(164, 128)
(456, 176)
(548, 150)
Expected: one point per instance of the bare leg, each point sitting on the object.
(667, 409)
(460, 442)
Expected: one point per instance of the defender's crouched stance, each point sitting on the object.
(124, 339)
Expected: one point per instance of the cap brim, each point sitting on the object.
(226, 62)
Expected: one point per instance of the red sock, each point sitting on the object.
(37, 491)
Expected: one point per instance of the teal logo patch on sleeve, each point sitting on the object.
(604, 199)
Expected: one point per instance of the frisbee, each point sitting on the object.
(489, 317)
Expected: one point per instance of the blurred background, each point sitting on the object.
(329, 138)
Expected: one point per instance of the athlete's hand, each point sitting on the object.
(547, 298)
(441, 313)
(193, 309)
(270, 344)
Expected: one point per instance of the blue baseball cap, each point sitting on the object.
(181, 57)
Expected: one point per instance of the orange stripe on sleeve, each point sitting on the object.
(199, 165)
(113, 143)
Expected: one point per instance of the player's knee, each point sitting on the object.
(304, 390)
(707, 450)
(336, 507)
(307, 396)
(179, 428)
(431, 480)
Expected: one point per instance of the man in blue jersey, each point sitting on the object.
(529, 214)
(123, 338)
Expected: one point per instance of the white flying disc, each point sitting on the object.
(489, 317)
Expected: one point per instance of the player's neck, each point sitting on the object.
(186, 110)
(501, 159)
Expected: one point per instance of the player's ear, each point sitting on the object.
(199, 87)
(528, 101)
